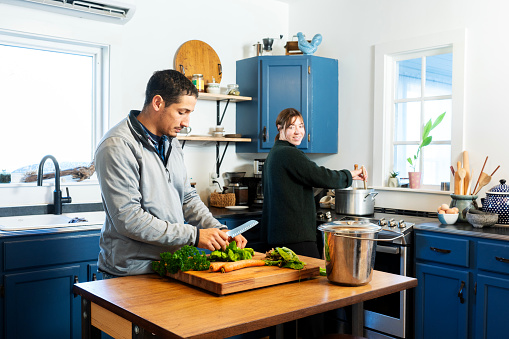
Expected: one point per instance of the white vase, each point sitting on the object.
(393, 182)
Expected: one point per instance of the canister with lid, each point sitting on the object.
(497, 201)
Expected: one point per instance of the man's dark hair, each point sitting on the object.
(170, 85)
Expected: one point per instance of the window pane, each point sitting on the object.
(407, 120)
(438, 75)
(408, 78)
(436, 164)
(46, 106)
(401, 154)
(432, 109)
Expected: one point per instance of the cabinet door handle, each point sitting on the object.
(264, 135)
(460, 292)
(94, 277)
(309, 137)
(76, 280)
(502, 259)
(439, 250)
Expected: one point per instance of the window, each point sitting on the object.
(51, 102)
(415, 81)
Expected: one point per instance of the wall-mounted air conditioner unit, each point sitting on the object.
(116, 11)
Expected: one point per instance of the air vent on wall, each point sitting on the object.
(105, 10)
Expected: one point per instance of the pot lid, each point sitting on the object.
(350, 227)
(502, 188)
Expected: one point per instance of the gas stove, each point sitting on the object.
(392, 226)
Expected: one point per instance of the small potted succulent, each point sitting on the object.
(393, 179)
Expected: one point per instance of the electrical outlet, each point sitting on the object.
(212, 177)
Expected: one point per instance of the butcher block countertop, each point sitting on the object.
(173, 309)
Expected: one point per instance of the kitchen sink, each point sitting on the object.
(31, 222)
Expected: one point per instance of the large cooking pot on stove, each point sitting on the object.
(355, 201)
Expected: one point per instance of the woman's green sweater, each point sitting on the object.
(289, 212)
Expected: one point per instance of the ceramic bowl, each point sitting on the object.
(448, 219)
(482, 220)
(213, 88)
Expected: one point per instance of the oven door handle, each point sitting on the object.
(387, 249)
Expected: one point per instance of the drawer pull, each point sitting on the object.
(502, 259)
(460, 293)
(264, 135)
(439, 250)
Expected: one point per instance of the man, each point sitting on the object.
(149, 203)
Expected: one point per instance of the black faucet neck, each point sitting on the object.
(57, 171)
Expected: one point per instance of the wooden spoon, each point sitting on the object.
(461, 175)
(466, 166)
(484, 179)
(364, 176)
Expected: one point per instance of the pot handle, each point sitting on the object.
(392, 239)
(371, 193)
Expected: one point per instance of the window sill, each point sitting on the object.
(412, 190)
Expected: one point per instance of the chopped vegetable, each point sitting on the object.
(323, 271)
(232, 253)
(185, 259)
(232, 266)
(284, 257)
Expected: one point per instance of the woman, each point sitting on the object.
(289, 212)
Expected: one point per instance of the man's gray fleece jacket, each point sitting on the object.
(150, 208)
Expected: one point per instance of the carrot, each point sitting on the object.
(236, 265)
(216, 266)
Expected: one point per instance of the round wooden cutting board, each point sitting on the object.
(197, 57)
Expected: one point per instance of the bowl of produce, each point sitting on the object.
(447, 215)
(480, 219)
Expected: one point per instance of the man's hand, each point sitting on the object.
(240, 240)
(213, 239)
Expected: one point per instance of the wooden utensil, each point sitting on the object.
(484, 179)
(195, 56)
(364, 176)
(457, 181)
(461, 177)
(495, 170)
(466, 166)
(482, 169)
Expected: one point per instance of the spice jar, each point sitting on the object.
(232, 89)
(199, 82)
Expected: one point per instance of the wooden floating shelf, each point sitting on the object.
(222, 97)
(211, 138)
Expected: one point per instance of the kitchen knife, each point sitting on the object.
(242, 228)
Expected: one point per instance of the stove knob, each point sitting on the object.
(392, 223)
(382, 222)
(401, 224)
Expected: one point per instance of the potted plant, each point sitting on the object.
(415, 177)
(393, 179)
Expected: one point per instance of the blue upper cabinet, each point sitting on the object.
(304, 82)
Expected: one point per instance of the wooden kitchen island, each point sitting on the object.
(139, 306)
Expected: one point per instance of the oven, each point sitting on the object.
(389, 316)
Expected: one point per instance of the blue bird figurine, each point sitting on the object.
(309, 47)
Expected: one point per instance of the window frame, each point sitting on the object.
(386, 55)
(101, 79)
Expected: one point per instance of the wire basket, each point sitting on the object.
(222, 199)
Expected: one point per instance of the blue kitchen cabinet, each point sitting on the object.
(304, 82)
(463, 286)
(38, 272)
(441, 313)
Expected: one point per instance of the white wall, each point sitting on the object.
(148, 42)
(350, 29)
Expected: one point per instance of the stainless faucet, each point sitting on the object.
(57, 193)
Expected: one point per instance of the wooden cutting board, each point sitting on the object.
(247, 278)
(197, 57)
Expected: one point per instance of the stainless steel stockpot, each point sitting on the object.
(355, 201)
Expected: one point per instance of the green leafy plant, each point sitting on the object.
(394, 174)
(426, 139)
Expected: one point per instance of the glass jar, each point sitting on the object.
(199, 82)
(232, 89)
